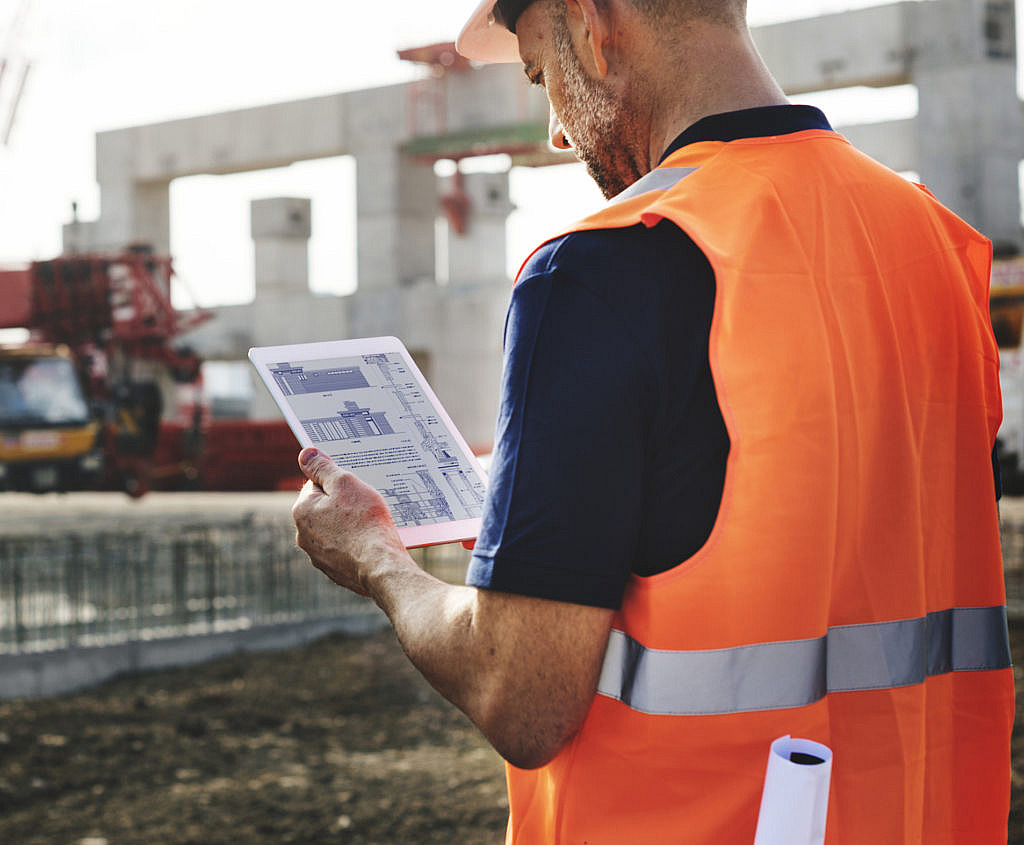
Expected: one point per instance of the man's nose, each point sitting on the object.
(556, 134)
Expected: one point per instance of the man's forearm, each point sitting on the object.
(434, 624)
(523, 669)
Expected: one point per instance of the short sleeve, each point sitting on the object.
(563, 510)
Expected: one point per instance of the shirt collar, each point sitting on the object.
(750, 123)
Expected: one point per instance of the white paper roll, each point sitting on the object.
(794, 803)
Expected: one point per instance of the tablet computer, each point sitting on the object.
(366, 404)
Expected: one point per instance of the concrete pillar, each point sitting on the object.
(397, 202)
(468, 348)
(135, 209)
(80, 236)
(281, 227)
(285, 310)
(134, 213)
(970, 130)
(478, 256)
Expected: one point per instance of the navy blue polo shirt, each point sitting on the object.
(610, 449)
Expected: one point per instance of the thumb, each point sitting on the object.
(317, 466)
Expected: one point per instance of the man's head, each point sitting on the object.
(596, 117)
(606, 66)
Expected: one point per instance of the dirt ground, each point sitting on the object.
(339, 741)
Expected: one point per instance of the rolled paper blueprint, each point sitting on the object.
(794, 802)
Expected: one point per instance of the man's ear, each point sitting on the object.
(590, 29)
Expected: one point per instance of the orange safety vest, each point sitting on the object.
(851, 591)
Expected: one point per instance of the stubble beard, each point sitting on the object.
(603, 130)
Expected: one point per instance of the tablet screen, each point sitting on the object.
(371, 415)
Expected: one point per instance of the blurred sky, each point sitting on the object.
(106, 64)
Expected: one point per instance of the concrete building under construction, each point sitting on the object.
(966, 143)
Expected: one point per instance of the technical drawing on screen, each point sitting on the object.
(375, 415)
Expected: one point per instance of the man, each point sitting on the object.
(741, 484)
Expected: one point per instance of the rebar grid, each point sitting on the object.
(107, 586)
(86, 587)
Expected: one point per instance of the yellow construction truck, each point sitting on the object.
(49, 436)
(81, 400)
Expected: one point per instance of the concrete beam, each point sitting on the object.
(229, 142)
(877, 46)
(280, 134)
(863, 47)
(894, 142)
(959, 53)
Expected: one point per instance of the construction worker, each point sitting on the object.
(741, 485)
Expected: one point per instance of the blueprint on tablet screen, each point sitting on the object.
(368, 413)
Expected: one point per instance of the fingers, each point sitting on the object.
(310, 491)
(317, 467)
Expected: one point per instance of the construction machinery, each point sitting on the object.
(84, 402)
(50, 439)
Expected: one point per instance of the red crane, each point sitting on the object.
(81, 402)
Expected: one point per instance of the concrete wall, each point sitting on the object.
(72, 669)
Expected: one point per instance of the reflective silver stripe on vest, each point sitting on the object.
(770, 676)
(660, 179)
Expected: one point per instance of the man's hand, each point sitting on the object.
(343, 524)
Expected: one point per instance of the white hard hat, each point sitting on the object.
(485, 38)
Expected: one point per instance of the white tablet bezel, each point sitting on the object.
(262, 357)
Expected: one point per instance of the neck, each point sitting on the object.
(714, 69)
